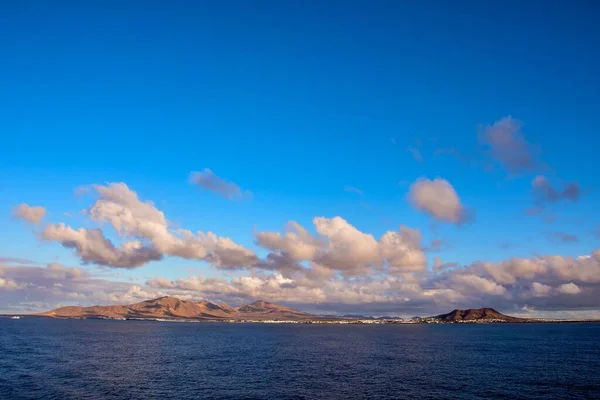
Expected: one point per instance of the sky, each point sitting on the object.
(385, 157)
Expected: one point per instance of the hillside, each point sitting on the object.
(174, 308)
(477, 314)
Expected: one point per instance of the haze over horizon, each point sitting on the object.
(344, 158)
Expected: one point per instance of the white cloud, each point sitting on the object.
(540, 290)
(569, 288)
(466, 282)
(335, 267)
(9, 284)
(315, 287)
(30, 214)
(296, 241)
(402, 250)
(437, 198)
(342, 247)
(93, 247)
(132, 218)
(346, 249)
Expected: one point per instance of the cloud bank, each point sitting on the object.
(545, 283)
(331, 266)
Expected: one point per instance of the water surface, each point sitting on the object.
(96, 359)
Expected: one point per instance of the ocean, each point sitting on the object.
(98, 359)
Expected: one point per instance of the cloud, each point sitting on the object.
(29, 214)
(346, 248)
(440, 265)
(547, 284)
(545, 193)
(507, 145)
(540, 290)
(563, 237)
(16, 260)
(342, 247)
(436, 245)
(352, 189)
(206, 179)
(466, 283)
(416, 154)
(9, 284)
(402, 250)
(149, 231)
(35, 289)
(296, 241)
(333, 265)
(438, 199)
(92, 247)
(226, 254)
(569, 288)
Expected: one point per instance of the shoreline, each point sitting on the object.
(319, 321)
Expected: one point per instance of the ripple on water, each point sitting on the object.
(95, 359)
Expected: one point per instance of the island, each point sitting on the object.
(172, 309)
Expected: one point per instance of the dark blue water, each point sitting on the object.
(95, 359)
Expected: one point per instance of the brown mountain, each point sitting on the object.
(477, 314)
(268, 310)
(174, 308)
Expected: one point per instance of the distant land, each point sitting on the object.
(174, 309)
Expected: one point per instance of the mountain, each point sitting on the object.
(271, 311)
(477, 314)
(173, 308)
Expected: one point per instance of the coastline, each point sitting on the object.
(324, 321)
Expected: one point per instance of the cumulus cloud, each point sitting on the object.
(346, 248)
(227, 254)
(507, 145)
(9, 284)
(438, 199)
(342, 247)
(152, 236)
(334, 267)
(206, 179)
(540, 290)
(547, 283)
(32, 214)
(296, 241)
(92, 247)
(466, 283)
(402, 250)
(440, 265)
(569, 288)
(545, 193)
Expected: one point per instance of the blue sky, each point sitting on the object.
(293, 101)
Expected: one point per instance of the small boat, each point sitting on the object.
(15, 317)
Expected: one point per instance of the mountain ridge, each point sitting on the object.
(173, 308)
(477, 314)
(168, 307)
